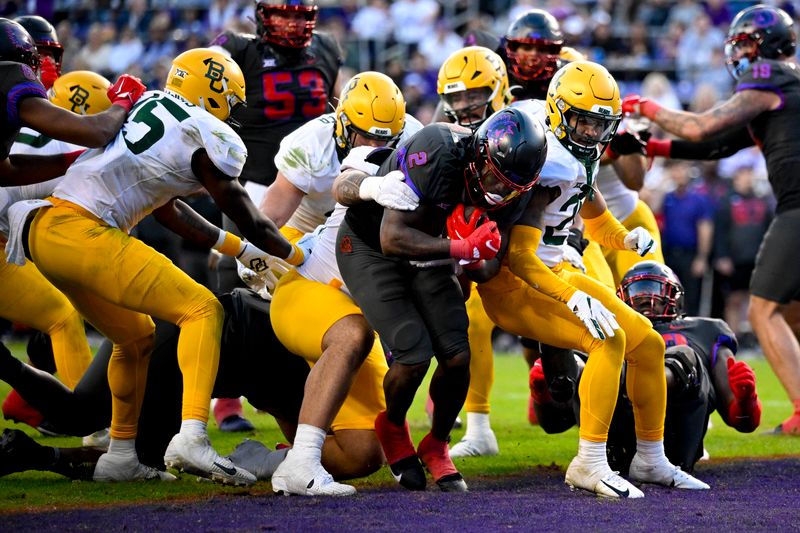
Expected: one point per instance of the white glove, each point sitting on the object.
(389, 191)
(263, 284)
(640, 241)
(598, 320)
(308, 241)
(574, 258)
(255, 258)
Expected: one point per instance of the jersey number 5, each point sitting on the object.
(294, 95)
(147, 115)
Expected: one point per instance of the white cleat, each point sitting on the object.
(664, 473)
(98, 439)
(471, 446)
(194, 455)
(121, 468)
(601, 480)
(307, 478)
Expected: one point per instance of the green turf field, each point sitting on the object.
(521, 447)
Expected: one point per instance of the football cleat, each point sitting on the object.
(400, 453)
(17, 409)
(599, 479)
(19, 452)
(436, 458)
(663, 473)
(307, 478)
(236, 424)
(114, 467)
(194, 455)
(473, 446)
(98, 439)
(409, 473)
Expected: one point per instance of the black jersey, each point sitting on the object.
(777, 132)
(17, 81)
(704, 335)
(433, 161)
(284, 91)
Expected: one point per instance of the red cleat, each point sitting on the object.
(435, 456)
(540, 394)
(400, 453)
(17, 409)
(533, 419)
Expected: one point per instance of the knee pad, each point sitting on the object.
(683, 362)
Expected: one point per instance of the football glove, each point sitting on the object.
(460, 228)
(483, 243)
(636, 106)
(744, 412)
(262, 284)
(598, 320)
(640, 241)
(390, 191)
(126, 91)
(625, 143)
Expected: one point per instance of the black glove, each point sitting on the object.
(576, 240)
(627, 142)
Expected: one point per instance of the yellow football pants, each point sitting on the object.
(620, 261)
(302, 312)
(481, 363)
(30, 299)
(116, 281)
(522, 310)
(596, 265)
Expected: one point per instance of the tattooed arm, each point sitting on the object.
(178, 217)
(733, 113)
(347, 187)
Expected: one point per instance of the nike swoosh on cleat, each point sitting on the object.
(310, 484)
(621, 494)
(230, 471)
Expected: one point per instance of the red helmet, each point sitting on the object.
(653, 290)
(280, 33)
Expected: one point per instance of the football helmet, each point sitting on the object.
(17, 45)
(208, 79)
(758, 32)
(294, 34)
(583, 109)
(472, 85)
(44, 35)
(510, 148)
(540, 30)
(81, 91)
(653, 290)
(372, 106)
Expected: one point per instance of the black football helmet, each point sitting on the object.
(541, 30)
(510, 149)
(17, 45)
(653, 290)
(769, 28)
(44, 35)
(298, 36)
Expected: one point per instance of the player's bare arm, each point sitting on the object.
(401, 238)
(233, 200)
(92, 131)
(734, 113)
(631, 170)
(180, 218)
(280, 200)
(19, 169)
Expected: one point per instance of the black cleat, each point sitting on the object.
(19, 452)
(452, 483)
(409, 473)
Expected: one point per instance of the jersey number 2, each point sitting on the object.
(280, 89)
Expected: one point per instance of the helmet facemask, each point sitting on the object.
(487, 186)
(587, 133)
(469, 108)
(540, 63)
(656, 297)
(296, 34)
(740, 52)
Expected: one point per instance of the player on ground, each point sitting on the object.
(175, 143)
(400, 273)
(25, 104)
(760, 54)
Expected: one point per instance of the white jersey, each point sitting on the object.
(309, 160)
(620, 199)
(563, 171)
(12, 195)
(150, 161)
(322, 266)
(31, 142)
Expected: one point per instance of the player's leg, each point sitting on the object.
(479, 438)
(596, 265)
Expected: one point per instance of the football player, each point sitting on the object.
(399, 271)
(175, 143)
(50, 50)
(332, 334)
(760, 51)
(528, 295)
(25, 101)
(30, 298)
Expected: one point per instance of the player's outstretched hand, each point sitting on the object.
(640, 241)
(742, 379)
(126, 91)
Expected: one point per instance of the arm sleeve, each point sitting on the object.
(606, 230)
(721, 146)
(526, 265)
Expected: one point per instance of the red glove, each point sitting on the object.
(744, 412)
(48, 72)
(659, 147)
(126, 91)
(633, 104)
(483, 243)
(459, 228)
(70, 157)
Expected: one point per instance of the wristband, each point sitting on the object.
(659, 147)
(461, 249)
(228, 244)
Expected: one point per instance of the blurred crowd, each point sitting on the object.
(712, 215)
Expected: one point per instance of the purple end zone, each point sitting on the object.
(755, 495)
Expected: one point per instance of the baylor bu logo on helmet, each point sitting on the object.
(81, 92)
(209, 80)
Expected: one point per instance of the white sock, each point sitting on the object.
(477, 424)
(194, 428)
(126, 447)
(651, 451)
(592, 452)
(308, 442)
